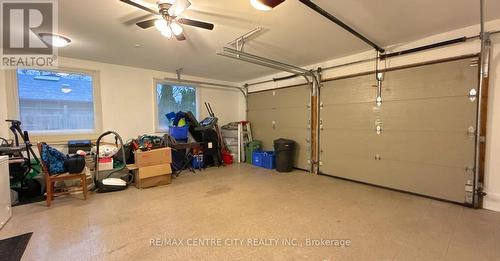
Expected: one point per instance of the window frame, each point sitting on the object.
(13, 106)
(157, 127)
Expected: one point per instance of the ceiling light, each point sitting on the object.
(176, 28)
(178, 7)
(265, 5)
(55, 39)
(167, 33)
(161, 25)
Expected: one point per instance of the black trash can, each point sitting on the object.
(285, 153)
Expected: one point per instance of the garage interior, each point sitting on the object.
(250, 130)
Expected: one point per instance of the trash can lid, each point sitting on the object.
(284, 141)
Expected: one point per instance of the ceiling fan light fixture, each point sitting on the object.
(161, 25)
(167, 33)
(176, 28)
(265, 5)
(178, 7)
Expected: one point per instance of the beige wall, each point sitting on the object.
(492, 175)
(3, 106)
(127, 98)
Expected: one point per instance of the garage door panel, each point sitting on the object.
(352, 167)
(412, 177)
(262, 126)
(292, 97)
(445, 114)
(431, 180)
(449, 79)
(350, 90)
(349, 116)
(359, 143)
(261, 101)
(446, 149)
(296, 118)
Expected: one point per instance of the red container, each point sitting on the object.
(227, 158)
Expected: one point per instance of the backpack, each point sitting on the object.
(54, 159)
(75, 164)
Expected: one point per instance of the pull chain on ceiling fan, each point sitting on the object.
(167, 21)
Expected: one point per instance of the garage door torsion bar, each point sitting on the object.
(206, 83)
(337, 21)
(232, 56)
(266, 60)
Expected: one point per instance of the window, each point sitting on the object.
(173, 98)
(56, 101)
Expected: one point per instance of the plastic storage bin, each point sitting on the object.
(264, 159)
(198, 162)
(179, 133)
(268, 160)
(257, 158)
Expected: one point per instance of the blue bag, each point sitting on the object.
(54, 159)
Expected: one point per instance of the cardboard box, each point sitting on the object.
(153, 157)
(153, 171)
(153, 181)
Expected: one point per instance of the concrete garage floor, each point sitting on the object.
(243, 202)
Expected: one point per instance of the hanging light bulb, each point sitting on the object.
(178, 7)
(167, 33)
(176, 28)
(161, 25)
(259, 5)
(265, 5)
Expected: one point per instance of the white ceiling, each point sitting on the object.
(104, 31)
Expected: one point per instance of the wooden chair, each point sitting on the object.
(51, 179)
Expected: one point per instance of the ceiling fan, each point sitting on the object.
(167, 21)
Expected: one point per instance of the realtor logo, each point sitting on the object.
(22, 22)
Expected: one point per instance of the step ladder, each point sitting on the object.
(244, 137)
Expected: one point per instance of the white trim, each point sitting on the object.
(492, 202)
(14, 111)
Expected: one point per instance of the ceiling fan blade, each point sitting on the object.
(180, 37)
(134, 3)
(195, 23)
(178, 7)
(147, 24)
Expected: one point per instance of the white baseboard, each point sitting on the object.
(492, 202)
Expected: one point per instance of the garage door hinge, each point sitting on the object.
(321, 105)
(472, 95)
(470, 169)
